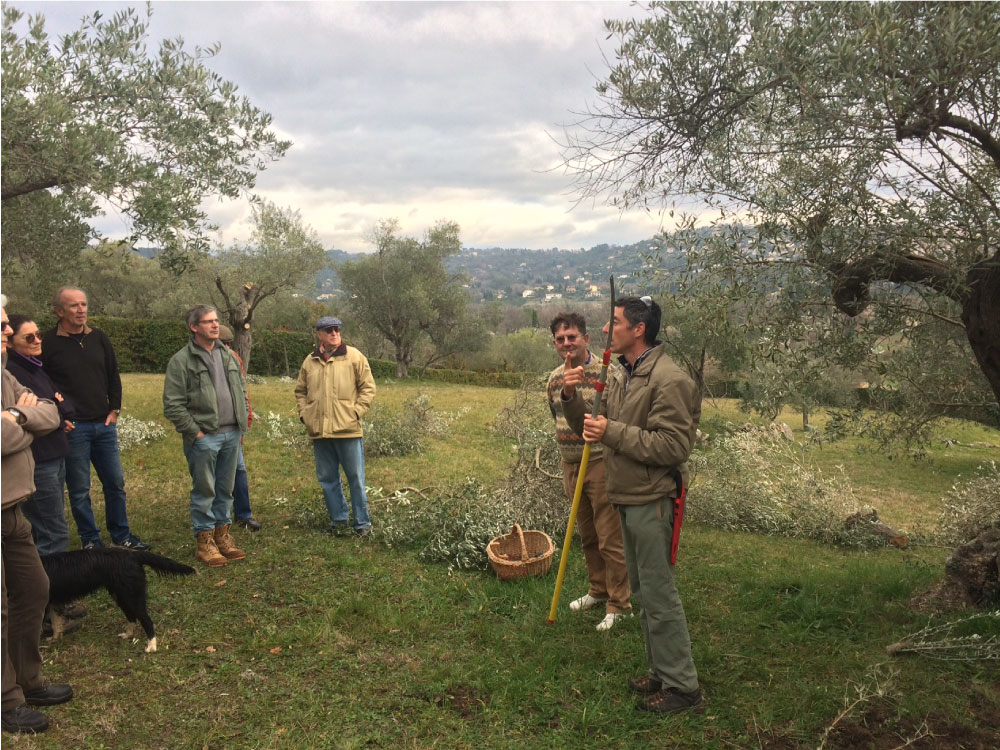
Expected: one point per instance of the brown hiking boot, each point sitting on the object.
(224, 541)
(207, 552)
(671, 701)
(645, 685)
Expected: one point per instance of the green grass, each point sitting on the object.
(316, 641)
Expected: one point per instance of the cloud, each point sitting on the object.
(419, 110)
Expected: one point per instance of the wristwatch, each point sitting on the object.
(18, 415)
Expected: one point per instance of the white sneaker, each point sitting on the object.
(610, 620)
(585, 602)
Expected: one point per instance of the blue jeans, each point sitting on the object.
(97, 443)
(212, 461)
(46, 508)
(331, 454)
(241, 491)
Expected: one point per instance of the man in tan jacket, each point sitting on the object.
(647, 428)
(25, 587)
(334, 391)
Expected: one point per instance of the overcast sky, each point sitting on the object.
(416, 110)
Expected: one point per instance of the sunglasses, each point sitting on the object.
(30, 338)
(332, 329)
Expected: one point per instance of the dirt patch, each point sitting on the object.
(466, 700)
(881, 729)
(773, 740)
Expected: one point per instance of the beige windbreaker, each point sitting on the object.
(334, 395)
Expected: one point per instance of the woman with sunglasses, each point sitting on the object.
(45, 509)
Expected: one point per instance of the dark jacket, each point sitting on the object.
(30, 375)
(86, 370)
(651, 428)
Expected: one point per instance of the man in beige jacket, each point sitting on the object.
(334, 391)
(25, 587)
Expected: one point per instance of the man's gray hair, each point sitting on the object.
(196, 313)
(57, 297)
(3, 301)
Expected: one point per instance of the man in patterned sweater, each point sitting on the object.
(598, 523)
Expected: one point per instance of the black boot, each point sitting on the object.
(24, 720)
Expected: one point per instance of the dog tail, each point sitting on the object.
(164, 566)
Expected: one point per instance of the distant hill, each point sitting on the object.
(518, 276)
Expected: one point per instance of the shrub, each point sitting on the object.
(284, 430)
(133, 432)
(755, 481)
(401, 433)
(456, 524)
(971, 506)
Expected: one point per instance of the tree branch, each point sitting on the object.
(852, 280)
(30, 186)
(987, 142)
(218, 284)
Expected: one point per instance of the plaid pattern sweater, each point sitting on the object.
(571, 444)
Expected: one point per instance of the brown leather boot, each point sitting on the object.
(207, 552)
(226, 545)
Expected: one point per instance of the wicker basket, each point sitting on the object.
(521, 554)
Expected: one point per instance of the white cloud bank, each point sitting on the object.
(420, 111)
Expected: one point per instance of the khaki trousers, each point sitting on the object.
(25, 594)
(646, 530)
(601, 533)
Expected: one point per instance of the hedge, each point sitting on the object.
(144, 345)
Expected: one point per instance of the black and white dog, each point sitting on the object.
(75, 574)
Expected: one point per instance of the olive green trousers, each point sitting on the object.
(646, 532)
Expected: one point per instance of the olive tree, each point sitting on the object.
(96, 119)
(405, 291)
(833, 170)
(282, 256)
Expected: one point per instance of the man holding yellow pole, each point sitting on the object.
(598, 523)
(647, 427)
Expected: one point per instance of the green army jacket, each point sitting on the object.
(189, 399)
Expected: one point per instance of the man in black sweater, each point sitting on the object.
(81, 362)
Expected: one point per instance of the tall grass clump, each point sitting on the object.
(971, 506)
(756, 481)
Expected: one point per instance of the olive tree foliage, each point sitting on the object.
(282, 256)
(96, 119)
(847, 157)
(405, 292)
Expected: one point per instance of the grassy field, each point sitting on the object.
(320, 641)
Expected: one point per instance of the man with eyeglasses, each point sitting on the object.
(81, 362)
(334, 391)
(598, 523)
(205, 396)
(647, 427)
